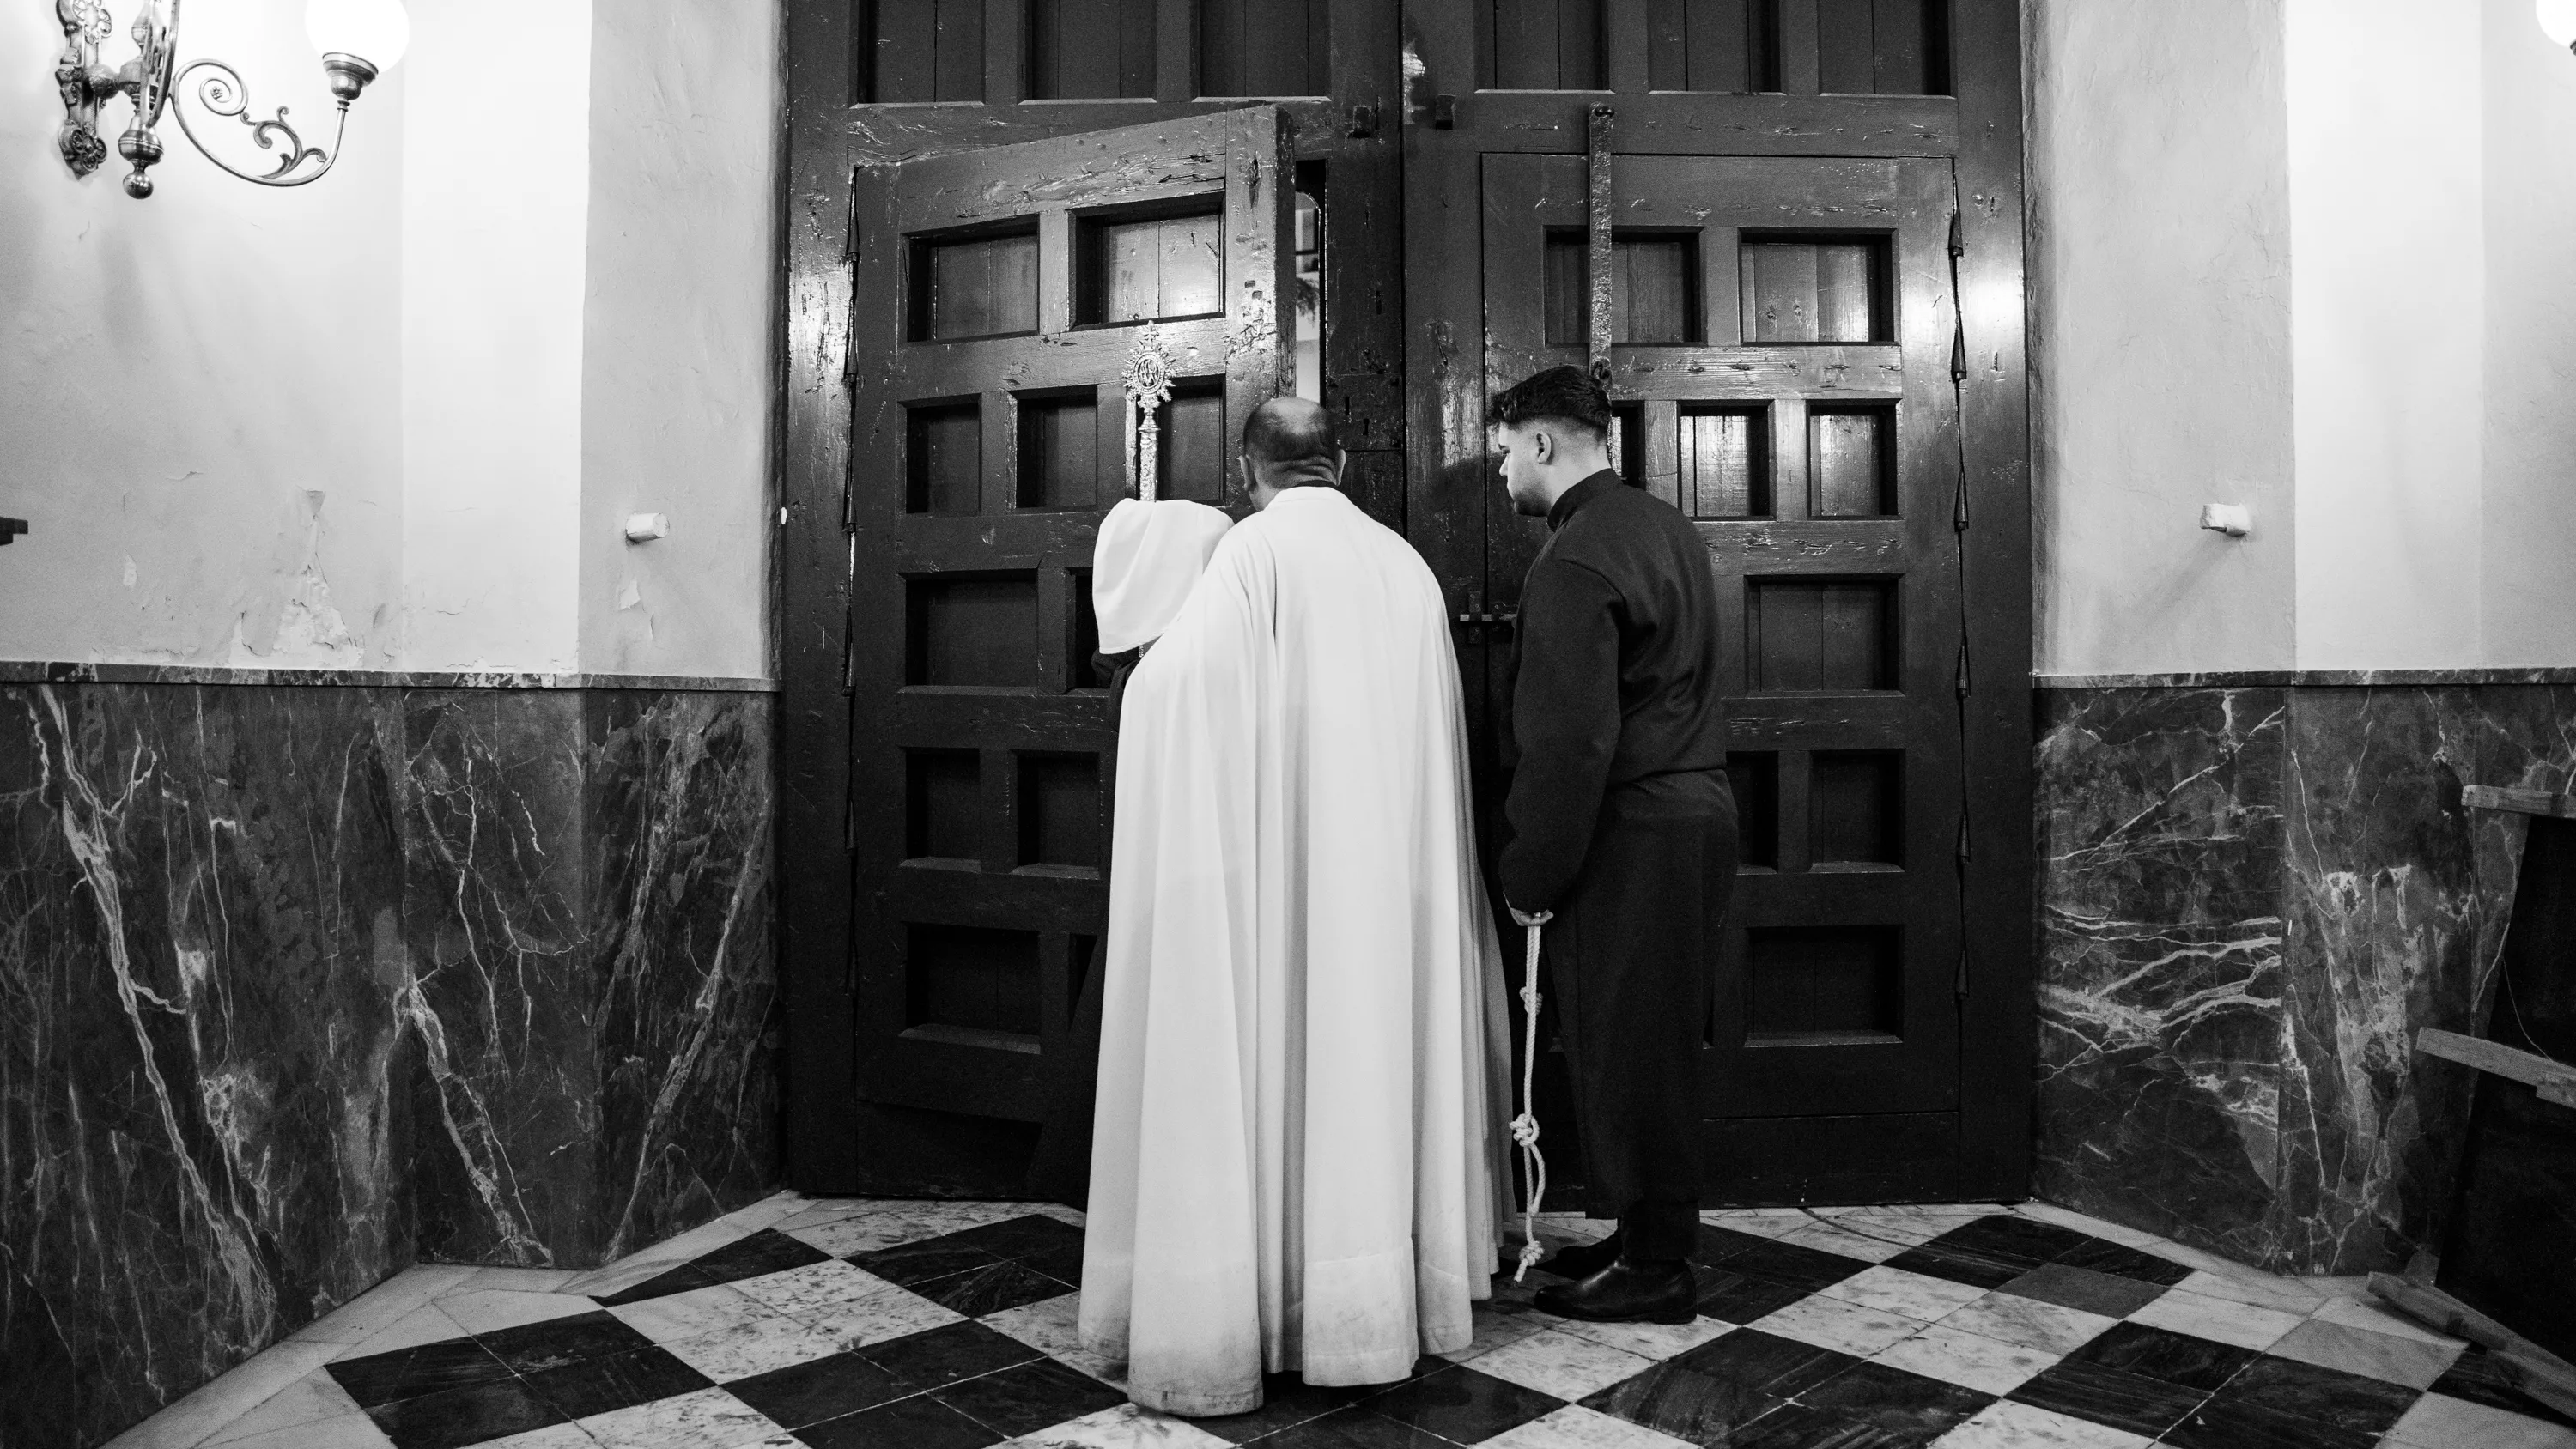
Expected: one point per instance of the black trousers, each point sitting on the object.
(1632, 959)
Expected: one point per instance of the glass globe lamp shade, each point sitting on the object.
(2557, 20)
(374, 31)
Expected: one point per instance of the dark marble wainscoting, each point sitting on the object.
(300, 983)
(2251, 898)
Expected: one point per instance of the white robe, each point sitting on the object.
(1299, 1157)
(1144, 562)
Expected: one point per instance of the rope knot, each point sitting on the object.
(1525, 1129)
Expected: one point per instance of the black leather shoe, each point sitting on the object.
(1627, 1293)
(1583, 1259)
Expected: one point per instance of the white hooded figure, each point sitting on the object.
(1147, 558)
(1299, 1156)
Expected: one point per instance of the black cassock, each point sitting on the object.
(1623, 825)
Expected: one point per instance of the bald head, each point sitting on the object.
(1289, 442)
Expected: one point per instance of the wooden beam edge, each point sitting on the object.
(2543, 803)
(2555, 1081)
(2534, 1370)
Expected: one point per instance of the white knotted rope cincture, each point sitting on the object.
(1525, 1126)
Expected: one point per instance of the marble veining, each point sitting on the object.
(299, 984)
(2252, 898)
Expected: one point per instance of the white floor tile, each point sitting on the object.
(249, 1384)
(1124, 1427)
(1918, 1296)
(752, 1348)
(2263, 1290)
(314, 1397)
(1576, 1427)
(552, 1436)
(1657, 1341)
(2217, 1319)
(2439, 1421)
(1563, 1364)
(1053, 1327)
(421, 1325)
(698, 1312)
(398, 1295)
(2378, 1317)
(1760, 1222)
(2109, 1232)
(1847, 1241)
(2382, 1356)
(2048, 1327)
(1970, 1360)
(878, 1317)
(500, 1308)
(1836, 1324)
(346, 1431)
(707, 1419)
(2021, 1426)
(1496, 1327)
(1910, 1231)
(518, 1280)
(814, 1289)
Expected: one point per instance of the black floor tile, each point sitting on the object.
(1752, 1359)
(1733, 1297)
(2010, 1235)
(1062, 1262)
(2124, 1262)
(601, 1385)
(911, 1263)
(2479, 1378)
(1795, 1264)
(2166, 1356)
(468, 1415)
(941, 1356)
(1896, 1401)
(1461, 1405)
(1977, 1270)
(2320, 1395)
(906, 1424)
(679, 1280)
(1030, 1397)
(2241, 1426)
(1686, 1405)
(1353, 1428)
(408, 1373)
(1020, 1237)
(820, 1389)
(535, 1347)
(1285, 1399)
(992, 1288)
(1805, 1426)
(2134, 1402)
(766, 1251)
(1717, 1244)
(2085, 1288)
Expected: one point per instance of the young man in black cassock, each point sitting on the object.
(1622, 826)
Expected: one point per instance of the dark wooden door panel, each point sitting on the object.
(987, 431)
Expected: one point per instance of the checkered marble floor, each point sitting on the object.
(837, 1324)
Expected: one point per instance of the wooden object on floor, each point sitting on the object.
(2555, 1081)
(2534, 1370)
(2520, 802)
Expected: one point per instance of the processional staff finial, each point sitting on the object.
(1148, 379)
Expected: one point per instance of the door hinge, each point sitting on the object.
(1958, 242)
(1963, 669)
(1959, 504)
(1363, 122)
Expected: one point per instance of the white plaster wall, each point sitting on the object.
(2527, 585)
(677, 331)
(199, 393)
(2160, 316)
(2388, 291)
(494, 226)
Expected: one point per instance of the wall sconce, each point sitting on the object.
(2557, 21)
(358, 39)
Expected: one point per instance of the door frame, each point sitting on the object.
(1409, 392)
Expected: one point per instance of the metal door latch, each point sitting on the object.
(1363, 122)
(1444, 112)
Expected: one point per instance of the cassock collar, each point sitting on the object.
(1571, 501)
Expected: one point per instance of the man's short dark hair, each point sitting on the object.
(1292, 444)
(1565, 394)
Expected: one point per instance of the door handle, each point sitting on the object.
(1505, 618)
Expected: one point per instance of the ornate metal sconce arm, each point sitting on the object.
(222, 94)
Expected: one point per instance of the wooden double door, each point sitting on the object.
(1762, 215)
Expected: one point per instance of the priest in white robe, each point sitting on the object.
(1299, 1157)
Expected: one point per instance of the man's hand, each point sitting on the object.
(1528, 920)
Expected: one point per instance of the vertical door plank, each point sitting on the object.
(961, 51)
(1798, 60)
(1662, 421)
(1626, 33)
(1274, 58)
(903, 63)
(1789, 466)
(1897, 35)
(1006, 51)
(1175, 50)
(1846, 59)
(1525, 45)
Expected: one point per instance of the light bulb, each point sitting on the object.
(2557, 20)
(375, 31)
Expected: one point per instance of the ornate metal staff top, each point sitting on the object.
(1148, 379)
